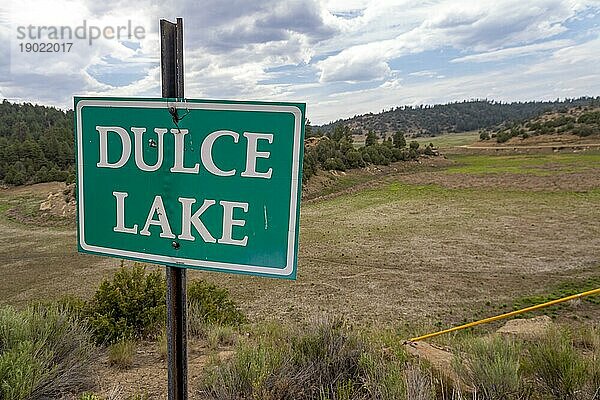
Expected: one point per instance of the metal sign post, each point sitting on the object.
(171, 61)
(189, 183)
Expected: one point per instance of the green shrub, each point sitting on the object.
(326, 356)
(594, 368)
(399, 140)
(309, 164)
(131, 305)
(44, 353)
(219, 335)
(209, 303)
(354, 159)
(121, 354)
(20, 370)
(326, 361)
(594, 372)
(196, 324)
(591, 117)
(584, 130)
(334, 163)
(376, 154)
(370, 139)
(382, 376)
(503, 136)
(72, 304)
(492, 367)
(398, 154)
(588, 339)
(244, 375)
(558, 369)
(386, 153)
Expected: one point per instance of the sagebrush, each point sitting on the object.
(326, 361)
(44, 353)
(492, 368)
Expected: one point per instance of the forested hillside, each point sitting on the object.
(432, 120)
(580, 121)
(36, 144)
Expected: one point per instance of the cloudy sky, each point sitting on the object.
(341, 57)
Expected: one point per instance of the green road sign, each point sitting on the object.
(191, 183)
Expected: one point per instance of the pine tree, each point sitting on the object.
(399, 140)
(371, 139)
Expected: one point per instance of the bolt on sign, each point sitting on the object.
(191, 183)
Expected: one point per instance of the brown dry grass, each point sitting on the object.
(393, 249)
(42, 263)
(388, 246)
(556, 140)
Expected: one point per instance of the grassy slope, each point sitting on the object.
(392, 251)
(445, 252)
(536, 164)
(449, 140)
(40, 263)
(424, 251)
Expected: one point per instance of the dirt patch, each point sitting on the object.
(440, 359)
(560, 181)
(46, 204)
(148, 375)
(37, 189)
(59, 204)
(318, 184)
(526, 328)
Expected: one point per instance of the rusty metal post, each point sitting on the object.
(171, 62)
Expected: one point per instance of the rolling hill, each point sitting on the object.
(577, 122)
(432, 120)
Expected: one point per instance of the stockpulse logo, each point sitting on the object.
(60, 39)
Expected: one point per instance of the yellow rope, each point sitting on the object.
(510, 314)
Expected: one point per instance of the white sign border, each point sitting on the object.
(178, 261)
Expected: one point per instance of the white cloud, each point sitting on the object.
(485, 25)
(427, 74)
(567, 72)
(320, 51)
(354, 66)
(512, 52)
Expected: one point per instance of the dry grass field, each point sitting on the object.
(442, 246)
(41, 262)
(409, 247)
(438, 244)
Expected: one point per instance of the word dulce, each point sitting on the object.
(190, 217)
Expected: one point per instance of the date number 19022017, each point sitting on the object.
(45, 47)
